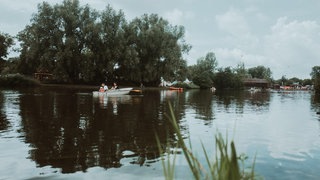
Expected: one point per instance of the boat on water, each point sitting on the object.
(115, 92)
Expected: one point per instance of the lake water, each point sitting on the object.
(66, 133)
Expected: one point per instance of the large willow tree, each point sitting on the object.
(73, 42)
(154, 49)
(57, 40)
(105, 44)
(77, 43)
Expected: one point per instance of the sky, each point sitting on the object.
(281, 35)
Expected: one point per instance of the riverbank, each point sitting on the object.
(17, 80)
(93, 87)
(71, 86)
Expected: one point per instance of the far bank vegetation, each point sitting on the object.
(80, 45)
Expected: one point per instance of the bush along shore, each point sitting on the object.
(17, 80)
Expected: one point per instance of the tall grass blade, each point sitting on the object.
(224, 165)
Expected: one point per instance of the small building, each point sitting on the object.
(255, 82)
(43, 76)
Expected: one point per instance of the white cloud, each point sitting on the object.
(13, 23)
(17, 5)
(293, 46)
(177, 16)
(231, 57)
(238, 31)
(232, 22)
(174, 16)
(290, 48)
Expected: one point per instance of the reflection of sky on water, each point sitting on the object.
(284, 136)
(281, 129)
(292, 132)
(20, 166)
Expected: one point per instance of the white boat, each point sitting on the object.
(115, 92)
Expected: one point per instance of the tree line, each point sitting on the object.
(81, 45)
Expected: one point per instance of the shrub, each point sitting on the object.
(17, 80)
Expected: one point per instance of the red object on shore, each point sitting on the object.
(176, 88)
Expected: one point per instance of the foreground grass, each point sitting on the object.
(224, 165)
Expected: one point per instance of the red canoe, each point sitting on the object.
(175, 88)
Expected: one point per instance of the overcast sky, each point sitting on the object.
(282, 35)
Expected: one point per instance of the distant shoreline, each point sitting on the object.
(93, 87)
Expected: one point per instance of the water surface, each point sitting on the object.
(67, 133)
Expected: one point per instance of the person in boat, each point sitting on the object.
(115, 86)
(103, 88)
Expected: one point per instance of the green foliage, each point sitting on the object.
(6, 41)
(306, 82)
(80, 44)
(227, 79)
(9, 66)
(315, 75)
(108, 52)
(287, 82)
(260, 72)
(204, 80)
(153, 50)
(241, 71)
(224, 165)
(202, 73)
(186, 85)
(283, 81)
(16, 80)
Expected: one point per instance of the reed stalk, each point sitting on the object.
(223, 166)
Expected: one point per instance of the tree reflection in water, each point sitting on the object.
(74, 131)
(4, 123)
